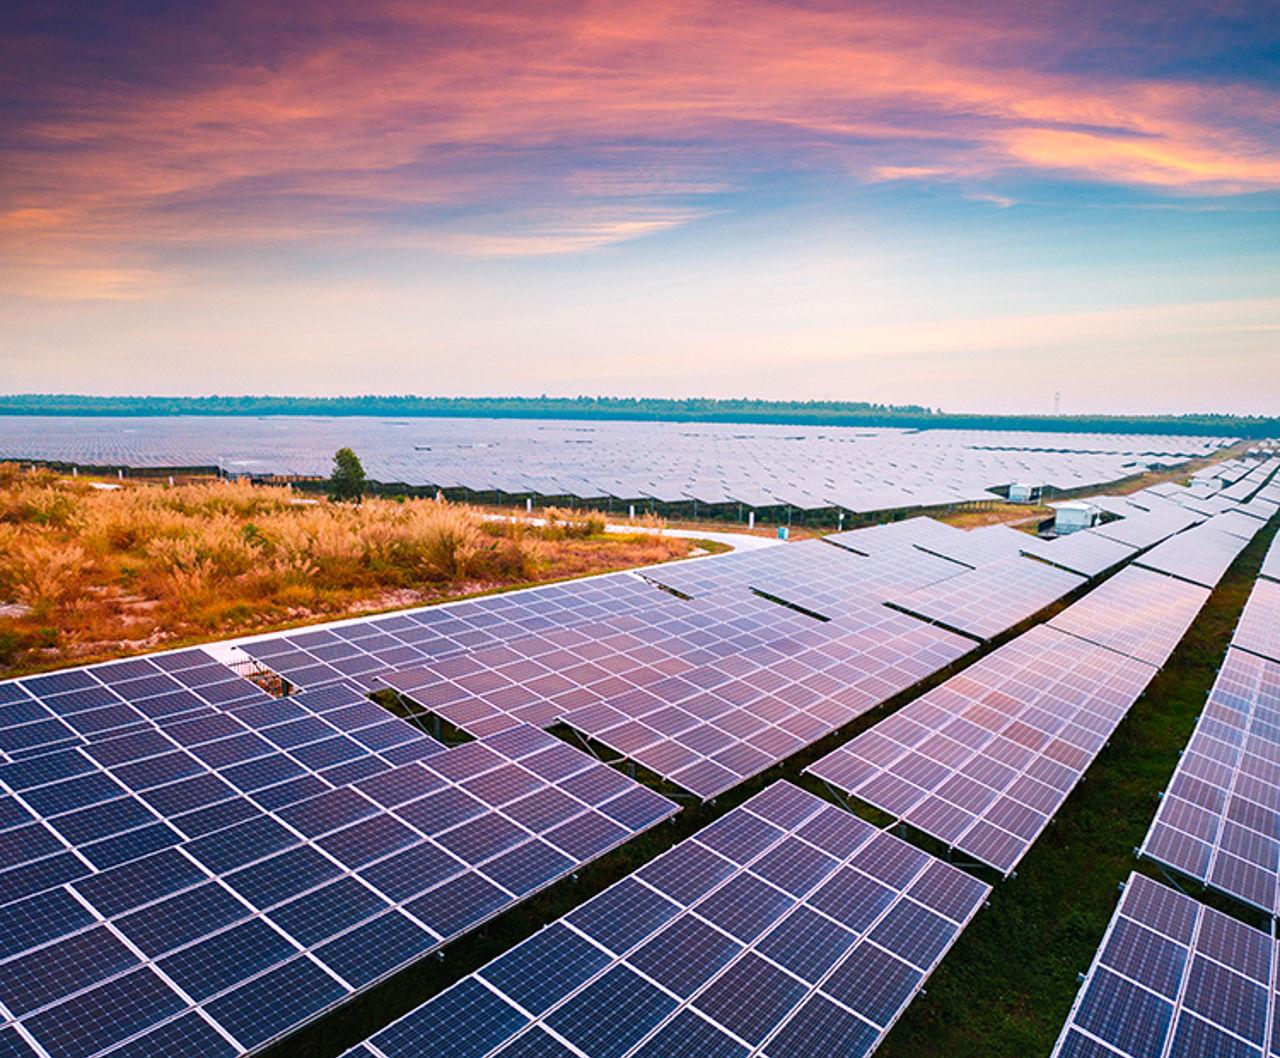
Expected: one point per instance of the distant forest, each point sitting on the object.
(653, 409)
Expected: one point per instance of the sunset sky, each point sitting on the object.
(963, 205)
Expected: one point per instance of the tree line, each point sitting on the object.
(690, 409)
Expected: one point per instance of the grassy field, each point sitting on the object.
(1006, 987)
(94, 570)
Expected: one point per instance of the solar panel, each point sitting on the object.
(1083, 552)
(906, 535)
(786, 927)
(983, 761)
(1173, 977)
(363, 651)
(1201, 554)
(710, 728)
(1271, 563)
(1244, 521)
(1143, 529)
(1219, 819)
(539, 678)
(991, 599)
(1137, 612)
(828, 581)
(849, 588)
(207, 868)
(1259, 629)
(979, 547)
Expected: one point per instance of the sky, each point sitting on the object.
(968, 206)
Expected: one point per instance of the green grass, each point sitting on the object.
(1007, 985)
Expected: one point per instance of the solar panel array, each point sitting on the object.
(984, 760)
(1201, 554)
(1142, 529)
(787, 927)
(1158, 610)
(1243, 520)
(991, 599)
(895, 536)
(1083, 552)
(828, 581)
(858, 469)
(979, 547)
(360, 651)
(711, 727)
(1219, 819)
(1173, 977)
(189, 866)
(1271, 564)
(1259, 627)
(538, 678)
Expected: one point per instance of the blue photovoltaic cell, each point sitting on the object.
(1174, 977)
(633, 971)
(269, 857)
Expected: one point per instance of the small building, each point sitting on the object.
(1020, 492)
(1074, 516)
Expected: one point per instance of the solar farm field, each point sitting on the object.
(746, 806)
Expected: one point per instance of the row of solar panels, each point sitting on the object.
(710, 718)
(1172, 976)
(1219, 819)
(855, 468)
(983, 761)
(715, 686)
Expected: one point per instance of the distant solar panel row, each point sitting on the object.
(787, 927)
(983, 761)
(991, 599)
(205, 877)
(709, 728)
(760, 465)
(1137, 612)
(1175, 978)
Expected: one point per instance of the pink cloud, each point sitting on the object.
(615, 118)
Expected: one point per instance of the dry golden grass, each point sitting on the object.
(87, 572)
